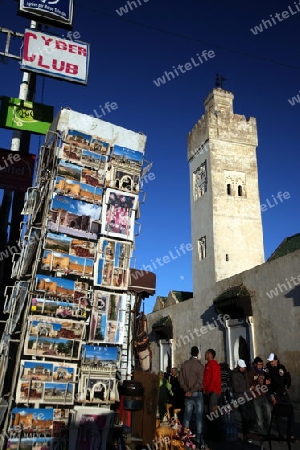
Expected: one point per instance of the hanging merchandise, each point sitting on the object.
(142, 344)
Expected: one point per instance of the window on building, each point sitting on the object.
(202, 248)
(227, 257)
(229, 189)
(200, 181)
(240, 190)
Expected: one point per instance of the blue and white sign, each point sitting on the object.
(57, 12)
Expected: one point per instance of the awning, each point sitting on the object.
(235, 301)
(142, 281)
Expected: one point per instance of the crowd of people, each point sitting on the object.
(198, 392)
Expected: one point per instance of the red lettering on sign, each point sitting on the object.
(82, 51)
(61, 45)
(55, 65)
(47, 41)
(72, 68)
(26, 44)
(72, 48)
(40, 63)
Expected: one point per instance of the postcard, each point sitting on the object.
(55, 328)
(64, 373)
(59, 393)
(100, 359)
(30, 444)
(70, 245)
(67, 264)
(123, 180)
(58, 309)
(63, 288)
(99, 145)
(126, 157)
(52, 347)
(119, 214)
(34, 422)
(112, 264)
(97, 389)
(79, 138)
(97, 326)
(36, 370)
(74, 217)
(77, 190)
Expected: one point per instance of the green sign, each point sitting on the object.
(23, 115)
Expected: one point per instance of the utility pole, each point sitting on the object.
(12, 203)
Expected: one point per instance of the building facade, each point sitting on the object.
(241, 306)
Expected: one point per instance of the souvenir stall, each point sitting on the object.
(71, 302)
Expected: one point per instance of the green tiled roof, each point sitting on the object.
(163, 322)
(235, 301)
(288, 245)
(233, 292)
(181, 296)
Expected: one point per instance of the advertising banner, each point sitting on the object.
(16, 170)
(59, 13)
(23, 115)
(55, 57)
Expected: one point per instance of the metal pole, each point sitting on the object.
(20, 143)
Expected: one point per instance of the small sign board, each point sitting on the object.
(23, 115)
(55, 57)
(58, 13)
(16, 170)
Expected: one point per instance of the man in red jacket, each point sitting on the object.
(212, 380)
(212, 391)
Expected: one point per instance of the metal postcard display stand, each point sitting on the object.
(70, 301)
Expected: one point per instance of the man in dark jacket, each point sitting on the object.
(191, 379)
(242, 393)
(280, 380)
(261, 402)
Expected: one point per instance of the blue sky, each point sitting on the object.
(128, 52)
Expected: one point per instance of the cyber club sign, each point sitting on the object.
(55, 57)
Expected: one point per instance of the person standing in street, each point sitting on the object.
(261, 402)
(191, 381)
(242, 393)
(212, 390)
(281, 381)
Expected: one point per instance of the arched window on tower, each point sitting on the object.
(202, 248)
(229, 189)
(240, 190)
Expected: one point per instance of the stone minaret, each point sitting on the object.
(227, 232)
